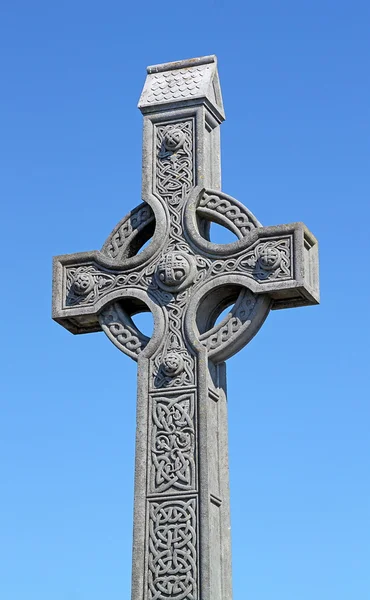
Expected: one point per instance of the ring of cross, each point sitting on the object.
(249, 310)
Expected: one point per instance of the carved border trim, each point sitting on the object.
(125, 232)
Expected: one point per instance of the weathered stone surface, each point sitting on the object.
(181, 524)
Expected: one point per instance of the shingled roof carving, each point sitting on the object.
(196, 79)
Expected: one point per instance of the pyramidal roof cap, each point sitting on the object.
(187, 82)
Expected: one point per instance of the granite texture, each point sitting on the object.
(181, 548)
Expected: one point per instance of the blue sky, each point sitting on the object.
(295, 146)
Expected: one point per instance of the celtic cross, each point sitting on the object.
(181, 547)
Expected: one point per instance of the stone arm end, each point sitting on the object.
(77, 319)
(304, 289)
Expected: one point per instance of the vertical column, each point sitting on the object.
(182, 548)
(171, 563)
(174, 557)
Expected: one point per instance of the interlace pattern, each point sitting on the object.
(173, 444)
(172, 550)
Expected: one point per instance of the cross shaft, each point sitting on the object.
(181, 522)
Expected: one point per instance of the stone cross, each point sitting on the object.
(181, 547)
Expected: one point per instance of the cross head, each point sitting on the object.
(181, 548)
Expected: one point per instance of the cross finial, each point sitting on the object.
(185, 82)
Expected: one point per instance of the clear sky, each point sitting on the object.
(295, 146)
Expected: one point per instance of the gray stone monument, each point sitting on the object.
(181, 548)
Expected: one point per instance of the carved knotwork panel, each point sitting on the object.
(265, 260)
(172, 560)
(174, 161)
(87, 284)
(173, 348)
(172, 443)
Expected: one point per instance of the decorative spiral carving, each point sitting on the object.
(83, 284)
(173, 139)
(269, 258)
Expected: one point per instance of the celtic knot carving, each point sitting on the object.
(269, 257)
(231, 212)
(175, 271)
(174, 169)
(162, 376)
(174, 178)
(121, 330)
(82, 284)
(86, 284)
(173, 444)
(231, 324)
(203, 266)
(173, 343)
(172, 550)
(128, 228)
(173, 140)
(264, 261)
(174, 174)
(97, 282)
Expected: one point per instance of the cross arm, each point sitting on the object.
(281, 260)
(83, 284)
(270, 268)
(78, 280)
